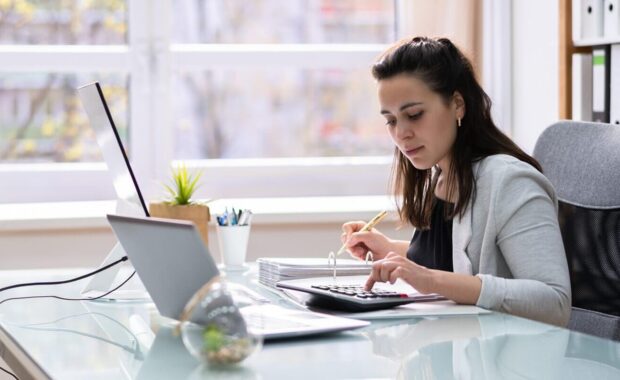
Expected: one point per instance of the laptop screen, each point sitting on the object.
(130, 200)
(169, 256)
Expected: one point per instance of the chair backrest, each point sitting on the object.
(595, 323)
(582, 160)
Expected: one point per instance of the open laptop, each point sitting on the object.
(173, 263)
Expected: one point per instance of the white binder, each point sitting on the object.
(614, 107)
(576, 18)
(582, 87)
(600, 85)
(611, 18)
(591, 18)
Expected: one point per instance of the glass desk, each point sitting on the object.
(48, 338)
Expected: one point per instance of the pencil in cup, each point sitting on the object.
(369, 226)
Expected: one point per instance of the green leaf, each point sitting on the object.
(184, 185)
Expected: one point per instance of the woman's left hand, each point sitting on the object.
(395, 266)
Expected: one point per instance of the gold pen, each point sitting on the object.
(373, 222)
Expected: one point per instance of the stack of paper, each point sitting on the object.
(273, 269)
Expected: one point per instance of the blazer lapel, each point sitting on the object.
(461, 236)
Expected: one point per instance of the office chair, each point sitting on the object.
(582, 160)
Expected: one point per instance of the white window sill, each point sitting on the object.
(85, 215)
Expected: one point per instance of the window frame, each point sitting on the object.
(150, 59)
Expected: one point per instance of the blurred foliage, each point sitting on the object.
(41, 117)
(63, 21)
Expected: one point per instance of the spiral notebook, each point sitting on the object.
(271, 270)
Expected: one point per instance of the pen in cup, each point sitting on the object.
(239, 217)
(233, 231)
(245, 217)
(369, 226)
(234, 220)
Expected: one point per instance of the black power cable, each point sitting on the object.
(124, 258)
(70, 299)
(9, 373)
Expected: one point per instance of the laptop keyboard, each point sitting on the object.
(359, 292)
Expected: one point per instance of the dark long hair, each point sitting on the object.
(445, 70)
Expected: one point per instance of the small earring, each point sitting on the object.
(458, 121)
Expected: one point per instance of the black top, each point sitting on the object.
(432, 248)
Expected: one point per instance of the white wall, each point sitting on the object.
(87, 247)
(535, 69)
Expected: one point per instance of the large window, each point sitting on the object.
(268, 97)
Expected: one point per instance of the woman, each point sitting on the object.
(486, 218)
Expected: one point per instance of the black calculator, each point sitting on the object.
(347, 294)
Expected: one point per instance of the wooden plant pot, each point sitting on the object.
(197, 213)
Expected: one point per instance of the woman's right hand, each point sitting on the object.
(359, 243)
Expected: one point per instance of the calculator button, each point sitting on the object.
(322, 287)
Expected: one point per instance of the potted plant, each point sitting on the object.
(180, 204)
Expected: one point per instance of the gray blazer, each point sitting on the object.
(510, 238)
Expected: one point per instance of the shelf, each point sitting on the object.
(597, 41)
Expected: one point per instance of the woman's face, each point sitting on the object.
(420, 123)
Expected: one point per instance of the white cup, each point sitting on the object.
(233, 242)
